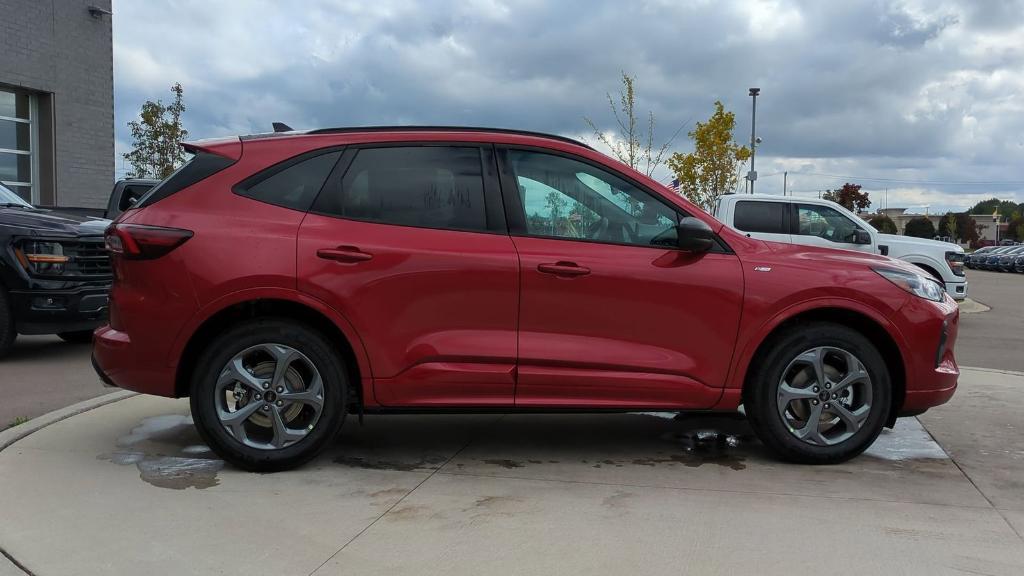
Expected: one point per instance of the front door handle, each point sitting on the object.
(563, 269)
(349, 254)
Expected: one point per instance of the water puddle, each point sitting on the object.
(168, 453)
(425, 463)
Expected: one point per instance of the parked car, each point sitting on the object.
(54, 272)
(126, 193)
(1005, 261)
(303, 277)
(1018, 264)
(990, 259)
(817, 222)
(974, 258)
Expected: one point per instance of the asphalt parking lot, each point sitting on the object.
(519, 494)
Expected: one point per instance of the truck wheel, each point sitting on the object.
(821, 394)
(269, 394)
(7, 331)
(80, 337)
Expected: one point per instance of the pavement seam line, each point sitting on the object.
(472, 439)
(14, 562)
(975, 485)
(993, 370)
(716, 490)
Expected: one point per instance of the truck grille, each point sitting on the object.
(88, 257)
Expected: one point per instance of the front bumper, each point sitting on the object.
(957, 290)
(51, 311)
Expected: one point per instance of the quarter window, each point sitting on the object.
(425, 186)
(296, 185)
(565, 198)
(765, 217)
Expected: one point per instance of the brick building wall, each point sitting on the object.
(62, 54)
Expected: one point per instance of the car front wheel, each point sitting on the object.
(269, 395)
(821, 394)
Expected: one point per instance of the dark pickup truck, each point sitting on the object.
(55, 272)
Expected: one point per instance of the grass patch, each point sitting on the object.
(18, 421)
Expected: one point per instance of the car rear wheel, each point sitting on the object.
(80, 337)
(269, 395)
(821, 394)
(7, 330)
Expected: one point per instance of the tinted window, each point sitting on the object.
(567, 198)
(767, 217)
(425, 186)
(200, 167)
(825, 222)
(293, 184)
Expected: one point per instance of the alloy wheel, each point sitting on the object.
(269, 396)
(824, 396)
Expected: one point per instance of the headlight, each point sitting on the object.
(916, 284)
(43, 257)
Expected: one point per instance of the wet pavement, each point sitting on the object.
(130, 488)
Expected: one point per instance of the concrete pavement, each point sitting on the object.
(129, 488)
(994, 338)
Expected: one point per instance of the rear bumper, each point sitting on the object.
(119, 364)
(53, 311)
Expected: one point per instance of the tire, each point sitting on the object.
(775, 410)
(8, 333)
(253, 442)
(80, 337)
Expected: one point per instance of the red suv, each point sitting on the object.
(285, 280)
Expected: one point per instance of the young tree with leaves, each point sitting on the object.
(156, 138)
(711, 169)
(849, 197)
(967, 229)
(633, 145)
(947, 226)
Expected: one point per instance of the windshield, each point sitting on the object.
(7, 196)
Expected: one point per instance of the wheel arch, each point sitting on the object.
(859, 321)
(349, 345)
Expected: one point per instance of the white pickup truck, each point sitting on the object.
(822, 223)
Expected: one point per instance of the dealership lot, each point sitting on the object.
(506, 494)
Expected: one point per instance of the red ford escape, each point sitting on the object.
(285, 280)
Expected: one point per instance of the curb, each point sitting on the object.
(992, 370)
(12, 435)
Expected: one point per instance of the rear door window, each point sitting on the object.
(425, 186)
(764, 217)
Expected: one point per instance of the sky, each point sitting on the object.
(919, 101)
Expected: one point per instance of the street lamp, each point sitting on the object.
(752, 175)
(995, 224)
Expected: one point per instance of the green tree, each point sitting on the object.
(883, 224)
(156, 138)
(849, 197)
(920, 227)
(711, 169)
(556, 205)
(1006, 208)
(947, 226)
(633, 146)
(1015, 228)
(966, 229)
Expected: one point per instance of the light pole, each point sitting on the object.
(752, 175)
(995, 224)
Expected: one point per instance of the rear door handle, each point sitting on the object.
(349, 254)
(563, 269)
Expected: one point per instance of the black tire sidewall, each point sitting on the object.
(763, 411)
(242, 336)
(8, 332)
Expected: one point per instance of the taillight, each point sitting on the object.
(141, 242)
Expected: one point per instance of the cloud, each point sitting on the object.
(916, 91)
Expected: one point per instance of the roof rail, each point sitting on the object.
(350, 129)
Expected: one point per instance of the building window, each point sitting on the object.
(18, 136)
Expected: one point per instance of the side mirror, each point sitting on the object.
(694, 235)
(861, 237)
